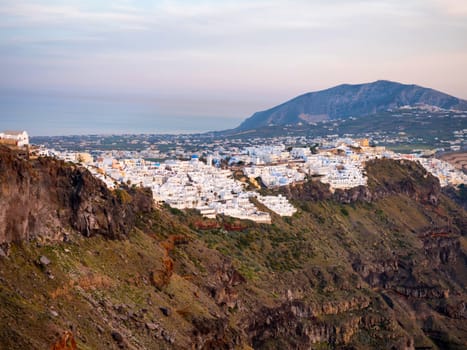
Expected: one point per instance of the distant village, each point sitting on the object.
(210, 183)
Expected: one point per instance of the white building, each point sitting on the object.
(275, 175)
(278, 204)
(300, 152)
(19, 138)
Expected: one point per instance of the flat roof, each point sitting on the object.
(13, 132)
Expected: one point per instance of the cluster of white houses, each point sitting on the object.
(444, 171)
(277, 204)
(341, 167)
(211, 190)
(192, 184)
(276, 175)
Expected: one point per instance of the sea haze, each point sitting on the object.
(49, 115)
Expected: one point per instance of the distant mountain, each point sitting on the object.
(351, 100)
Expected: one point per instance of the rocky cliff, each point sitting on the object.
(47, 198)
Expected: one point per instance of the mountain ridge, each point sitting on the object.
(346, 100)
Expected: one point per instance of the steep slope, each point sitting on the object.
(351, 100)
(376, 268)
(47, 198)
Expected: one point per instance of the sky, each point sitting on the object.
(175, 66)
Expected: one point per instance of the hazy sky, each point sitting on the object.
(225, 59)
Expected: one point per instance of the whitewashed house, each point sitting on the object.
(19, 138)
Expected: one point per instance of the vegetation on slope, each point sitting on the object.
(381, 271)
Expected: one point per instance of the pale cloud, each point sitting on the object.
(240, 16)
(33, 14)
(273, 49)
(457, 8)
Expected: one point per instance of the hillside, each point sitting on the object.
(350, 100)
(382, 267)
(47, 199)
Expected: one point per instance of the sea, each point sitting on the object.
(43, 115)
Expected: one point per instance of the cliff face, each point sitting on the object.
(382, 267)
(47, 198)
(385, 177)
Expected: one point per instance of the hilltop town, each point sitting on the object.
(228, 178)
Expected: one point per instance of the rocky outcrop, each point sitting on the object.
(420, 291)
(442, 249)
(225, 279)
(388, 176)
(312, 190)
(454, 309)
(299, 326)
(457, 194)
(385, 177)
(377, 274)
(398, 275)
(213, 334)
(47, 198)
(359, 193)
(335, 308)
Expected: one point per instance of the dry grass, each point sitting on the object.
(89, 282)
